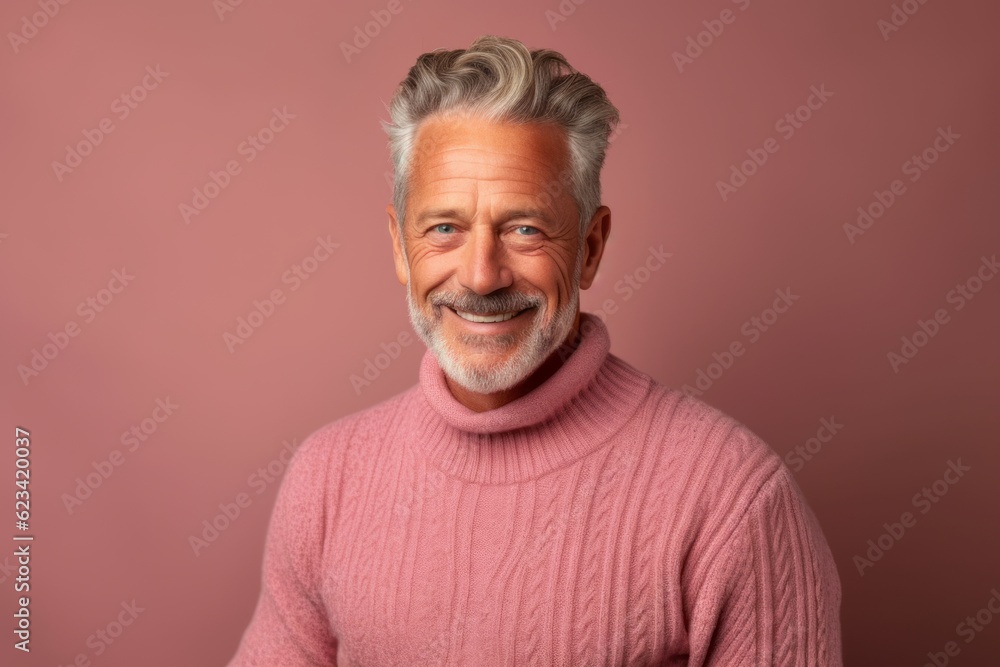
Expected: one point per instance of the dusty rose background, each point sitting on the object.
(226, 67)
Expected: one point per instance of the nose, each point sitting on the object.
(484, 263)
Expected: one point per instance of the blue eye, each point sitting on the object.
(531, 230)
(449, 229)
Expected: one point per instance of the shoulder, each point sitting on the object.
(721, 464)
(695, 430)
(334, 446)
(717, 477)
(360, 423)
(721, 442)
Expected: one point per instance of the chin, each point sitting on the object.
(482, 370)
(485, 377)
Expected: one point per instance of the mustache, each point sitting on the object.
(490, 304)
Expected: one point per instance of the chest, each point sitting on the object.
(429, 572)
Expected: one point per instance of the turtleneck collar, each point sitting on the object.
(574, 411)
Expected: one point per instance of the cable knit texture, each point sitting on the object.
(601, 519)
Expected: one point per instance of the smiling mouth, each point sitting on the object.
(475, 317)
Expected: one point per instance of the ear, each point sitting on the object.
(397, 247)
(597, 237)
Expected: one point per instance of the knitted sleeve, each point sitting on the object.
(289, 625)
(776, 593)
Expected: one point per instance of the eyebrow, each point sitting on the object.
(512, 214)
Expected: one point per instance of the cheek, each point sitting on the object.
(551, 274)
(427, 271)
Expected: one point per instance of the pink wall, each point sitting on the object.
(187, 279)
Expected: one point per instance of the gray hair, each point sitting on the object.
(500, 80)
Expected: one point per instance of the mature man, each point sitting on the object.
(533, 499)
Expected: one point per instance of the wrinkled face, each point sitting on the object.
(491, 261)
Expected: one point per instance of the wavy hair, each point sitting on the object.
(499, 79)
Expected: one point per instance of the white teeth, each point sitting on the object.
(472, 317)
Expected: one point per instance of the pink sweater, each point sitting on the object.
(602, 519)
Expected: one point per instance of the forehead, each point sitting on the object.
(461, 147)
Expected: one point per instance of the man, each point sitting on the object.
(533, 499)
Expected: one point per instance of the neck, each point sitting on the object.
(482, 402)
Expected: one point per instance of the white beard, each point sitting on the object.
(521, 362)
